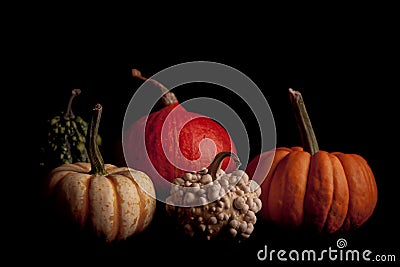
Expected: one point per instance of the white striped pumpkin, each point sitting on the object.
(116, 205)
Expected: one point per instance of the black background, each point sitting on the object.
(346, 72)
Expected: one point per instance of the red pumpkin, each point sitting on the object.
(308, 187)
(176, 141)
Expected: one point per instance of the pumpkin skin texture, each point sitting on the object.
(115, 206)
(113, 203)
(194, 129)
(312, 188)
(176, 141)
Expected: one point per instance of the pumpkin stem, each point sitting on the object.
(96, 160)
(307, 134)
(168, 97)
(217, 163)
(69, 114)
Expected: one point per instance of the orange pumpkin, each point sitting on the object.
(308, 187)
(114, 203)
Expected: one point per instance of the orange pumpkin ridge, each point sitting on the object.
(318, 200)
(340, 198)
(288, 188)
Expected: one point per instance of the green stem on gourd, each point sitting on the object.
(217, 163)
(96, 160)
(69, 114)
(168, 97)
(307, 134)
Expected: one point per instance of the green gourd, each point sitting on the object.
(66, 138)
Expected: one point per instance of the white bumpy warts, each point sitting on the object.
(210, 208)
